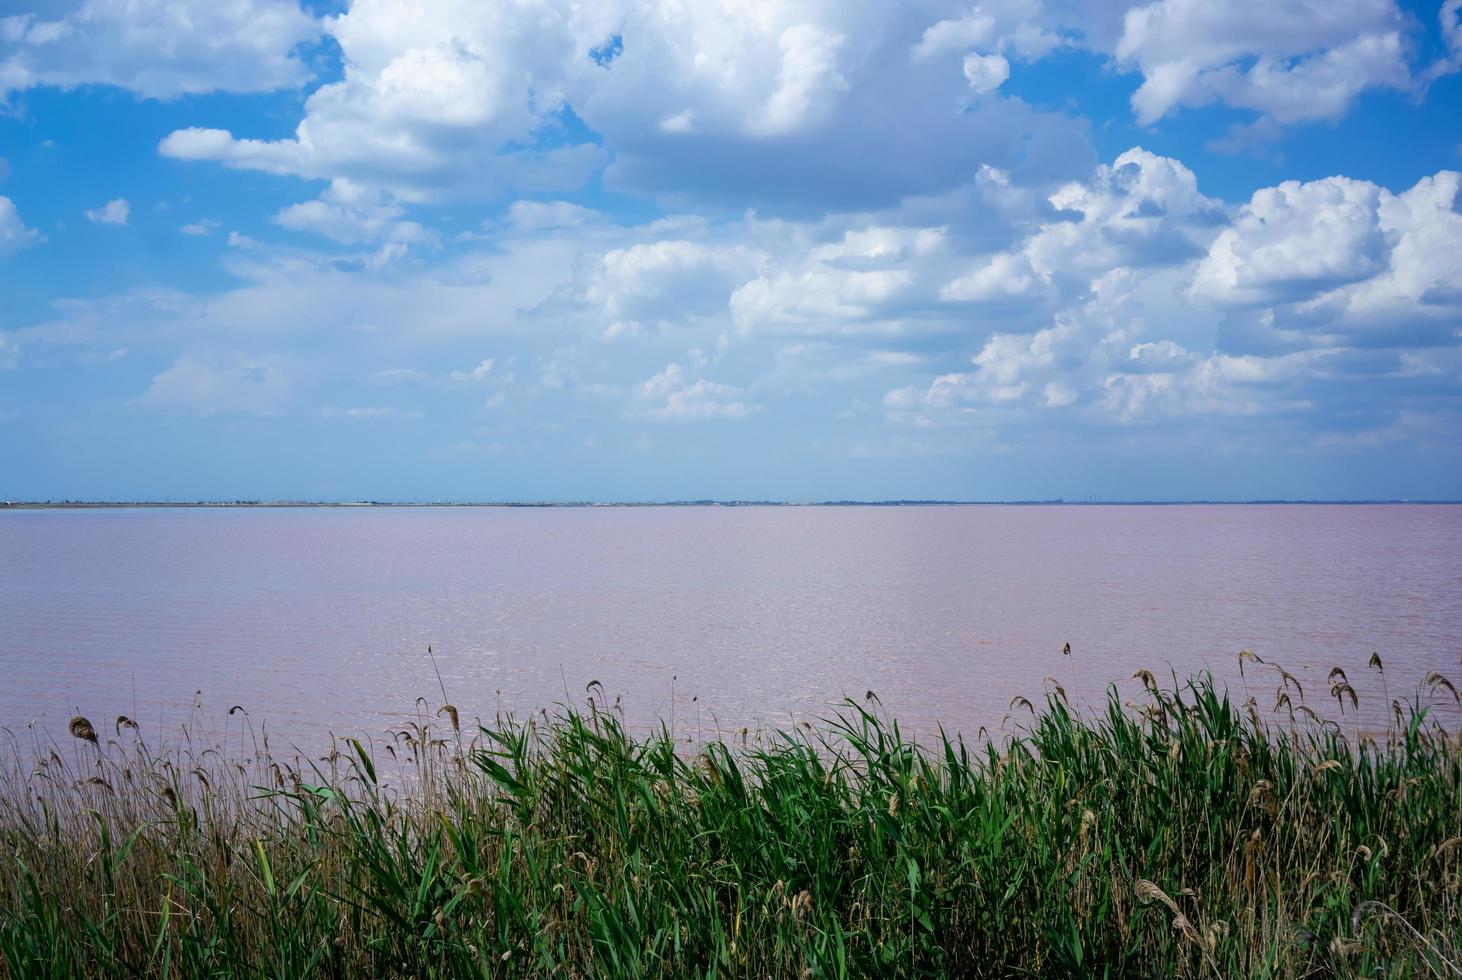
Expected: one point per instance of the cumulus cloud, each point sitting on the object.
(986, 72)
(663, 283)
(1008, 370)
(1142, 211)
(863, 282)
(1222, 385)
(1294, 239)
(709, 133)
(351, 214)
(1074, 367)
(444, 99)
(672, 395)
(1336, 257)
(1018, 27)
(159, 49)
(917, 235)
(461, 100)
(1291, 60)
(1325, 284)
(114, 212)
(1002, 277)
(1157, 357)
(14, 235)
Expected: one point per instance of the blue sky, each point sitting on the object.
(633, 250)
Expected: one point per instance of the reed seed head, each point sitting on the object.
(81, 728)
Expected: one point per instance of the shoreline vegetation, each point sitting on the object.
(1175, 833)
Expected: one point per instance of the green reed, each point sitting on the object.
(1182, 834)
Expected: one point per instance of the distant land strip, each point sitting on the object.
(1054, 502)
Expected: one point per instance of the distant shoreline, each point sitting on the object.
(1058, 502)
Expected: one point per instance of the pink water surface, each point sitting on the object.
(319, 619)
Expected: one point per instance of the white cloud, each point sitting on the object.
(351, 214)
(859, 283)
(114, 212)
(1007, 369)
(14, 235)
(1419, 285)
(1336, 258)
(679, 122)
(196, 143)
(398, 376)
(532, 216)
(204, 226)
(1336, 293)
(986, 72)
(1017, 27)
(1217, 385)
(1074, 366)
(1294, 239)
(444, 99)
(676, 397)
(211, 384)
(479, 373)
(666, 282)
(159, 48)
(1450, 17)
(385, 413)
(465, 100)
(1291, 60)
(807, 80)
(1003, 277)
(1143, 211)
(999, 303)
(1161, 356)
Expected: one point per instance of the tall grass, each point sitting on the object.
(1179, 835)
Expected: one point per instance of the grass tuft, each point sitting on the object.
(1179, 836)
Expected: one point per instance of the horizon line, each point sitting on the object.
(76, 504)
